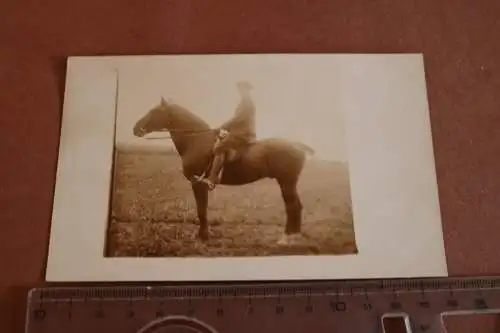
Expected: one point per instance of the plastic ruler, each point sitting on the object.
(353, 306)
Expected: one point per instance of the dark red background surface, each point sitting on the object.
(460, 40)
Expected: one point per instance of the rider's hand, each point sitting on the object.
(223, 133)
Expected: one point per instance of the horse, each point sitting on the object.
(274, 158)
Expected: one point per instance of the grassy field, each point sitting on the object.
(154, 212)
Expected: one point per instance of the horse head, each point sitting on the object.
(156, 119)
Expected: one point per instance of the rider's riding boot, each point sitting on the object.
(215, 171)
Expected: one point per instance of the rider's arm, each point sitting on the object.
(244, 112)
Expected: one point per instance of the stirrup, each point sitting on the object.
(196, 179)
(208, 183)
(211, 186)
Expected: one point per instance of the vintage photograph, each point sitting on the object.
(245, 167)
(230, 158)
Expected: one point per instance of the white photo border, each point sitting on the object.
(396, 210)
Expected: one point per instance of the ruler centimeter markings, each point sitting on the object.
(354, 306)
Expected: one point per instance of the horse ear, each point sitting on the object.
(163, 101)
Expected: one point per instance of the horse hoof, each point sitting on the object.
(283, 241)
(203, 236)
(289, 240)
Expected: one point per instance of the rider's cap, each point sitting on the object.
(244, 85)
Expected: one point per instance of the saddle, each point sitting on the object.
(232, 154)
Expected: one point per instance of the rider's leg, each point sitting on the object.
(215, 171)
(220, 151)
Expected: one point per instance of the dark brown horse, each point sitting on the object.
(194, 140)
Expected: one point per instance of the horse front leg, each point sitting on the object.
(201, 197)
(293, 207)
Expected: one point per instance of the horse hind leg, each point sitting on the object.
(293, 207)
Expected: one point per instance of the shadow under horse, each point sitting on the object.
(194, 140)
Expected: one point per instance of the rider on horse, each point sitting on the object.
(234, 133)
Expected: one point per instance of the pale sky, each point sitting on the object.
(296, 98)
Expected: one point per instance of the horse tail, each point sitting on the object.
(305, 148)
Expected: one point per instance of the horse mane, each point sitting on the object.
(187, 119)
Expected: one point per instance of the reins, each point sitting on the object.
(194, 132)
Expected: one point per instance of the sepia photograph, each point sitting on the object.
(230, 158)
(247, 167)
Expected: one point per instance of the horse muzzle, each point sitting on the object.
(139, 132)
